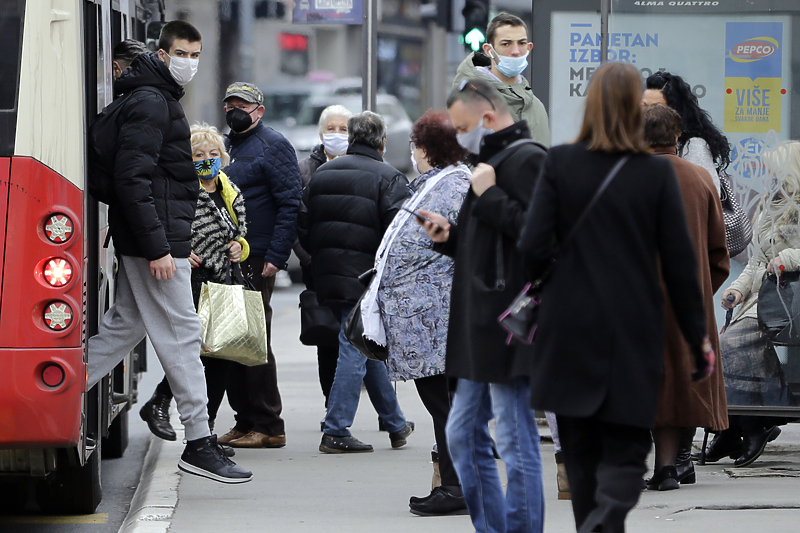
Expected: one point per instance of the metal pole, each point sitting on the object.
(605, 7)
(246, 52)
(369, 80)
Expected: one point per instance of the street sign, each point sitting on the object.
(328, 12)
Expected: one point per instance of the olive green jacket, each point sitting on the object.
(522, 103)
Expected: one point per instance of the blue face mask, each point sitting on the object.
(207, 169)
(510, 66)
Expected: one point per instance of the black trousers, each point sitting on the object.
(327, 356)
(435, 396)
(605, 464)
(216, 371)
(253, 390)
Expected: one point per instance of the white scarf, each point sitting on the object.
(370, 313)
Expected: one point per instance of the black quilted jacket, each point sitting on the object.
(347, 206)
(154, 176)
(264, 167)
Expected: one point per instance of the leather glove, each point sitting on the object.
(704, 359)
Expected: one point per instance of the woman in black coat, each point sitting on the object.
(599, 347)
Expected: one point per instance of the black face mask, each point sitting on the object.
(238, 119)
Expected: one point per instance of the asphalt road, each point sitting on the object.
(120, 477)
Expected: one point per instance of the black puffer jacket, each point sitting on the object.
(155, 179)
(347, 206)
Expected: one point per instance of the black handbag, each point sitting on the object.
(738, 230)
(354, 327)
(778, 308)
(520, 319)
(318, 324)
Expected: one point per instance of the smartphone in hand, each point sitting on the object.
(417, 214)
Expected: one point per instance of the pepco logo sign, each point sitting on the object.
(753, 49)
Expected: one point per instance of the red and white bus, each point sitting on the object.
(56, 277)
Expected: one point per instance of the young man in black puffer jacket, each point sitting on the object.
(347, 207)
(156, 195)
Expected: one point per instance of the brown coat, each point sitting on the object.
(683, 403)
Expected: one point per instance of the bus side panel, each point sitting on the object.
(33, 414)
(5, 170)
(36, 193)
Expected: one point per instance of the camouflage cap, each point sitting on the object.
(246, 91)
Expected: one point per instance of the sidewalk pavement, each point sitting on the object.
(297, 489)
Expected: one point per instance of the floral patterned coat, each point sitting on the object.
(414, 293)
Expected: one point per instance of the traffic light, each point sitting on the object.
(476, 18)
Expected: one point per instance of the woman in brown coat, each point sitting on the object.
(683, 403)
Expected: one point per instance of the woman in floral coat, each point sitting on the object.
(414, 290)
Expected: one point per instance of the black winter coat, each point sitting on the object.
(264, 167)
(347, 206)
(482, 241)
(308, 167)
(154, 177)
(599, 346)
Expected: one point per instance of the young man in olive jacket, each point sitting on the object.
(489, 271)
(151, 220)
(502, 61)
(347, 207)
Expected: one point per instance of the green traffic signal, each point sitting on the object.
(474, 38)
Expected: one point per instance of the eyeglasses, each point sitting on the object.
(466, 84)
(412, 146)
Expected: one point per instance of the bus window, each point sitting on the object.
(11, 12)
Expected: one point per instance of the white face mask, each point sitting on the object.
(472, 140)
(335, 143)
(415, 164)
(182, 69)
(510, 66)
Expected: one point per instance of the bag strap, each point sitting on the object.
(494, 162)
(507, 152)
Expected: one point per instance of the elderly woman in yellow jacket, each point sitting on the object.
(218, 232)
(752, 370)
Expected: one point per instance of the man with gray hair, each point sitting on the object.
(347, 206)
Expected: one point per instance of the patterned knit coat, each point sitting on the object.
(211, 233)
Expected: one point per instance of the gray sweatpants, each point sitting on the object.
(164, 310)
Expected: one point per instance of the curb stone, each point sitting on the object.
(156, 496)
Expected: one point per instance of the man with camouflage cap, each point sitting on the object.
(264, 166)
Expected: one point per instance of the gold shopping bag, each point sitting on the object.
(234, 325)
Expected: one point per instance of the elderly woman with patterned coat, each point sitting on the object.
(217, 240)
(414, 291)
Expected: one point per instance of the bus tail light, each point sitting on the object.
(53, 375)
(58, 316)
(58, 228)
(57, 272)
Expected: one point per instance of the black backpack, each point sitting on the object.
(103, 133)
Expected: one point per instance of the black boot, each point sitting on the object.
(683, 462)
(156, 413)
(754, 442)
(664, 479)
(727, 443)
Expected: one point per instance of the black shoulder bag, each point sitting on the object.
(519, 320)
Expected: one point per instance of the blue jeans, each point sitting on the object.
(352, 369)
(521, 509)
